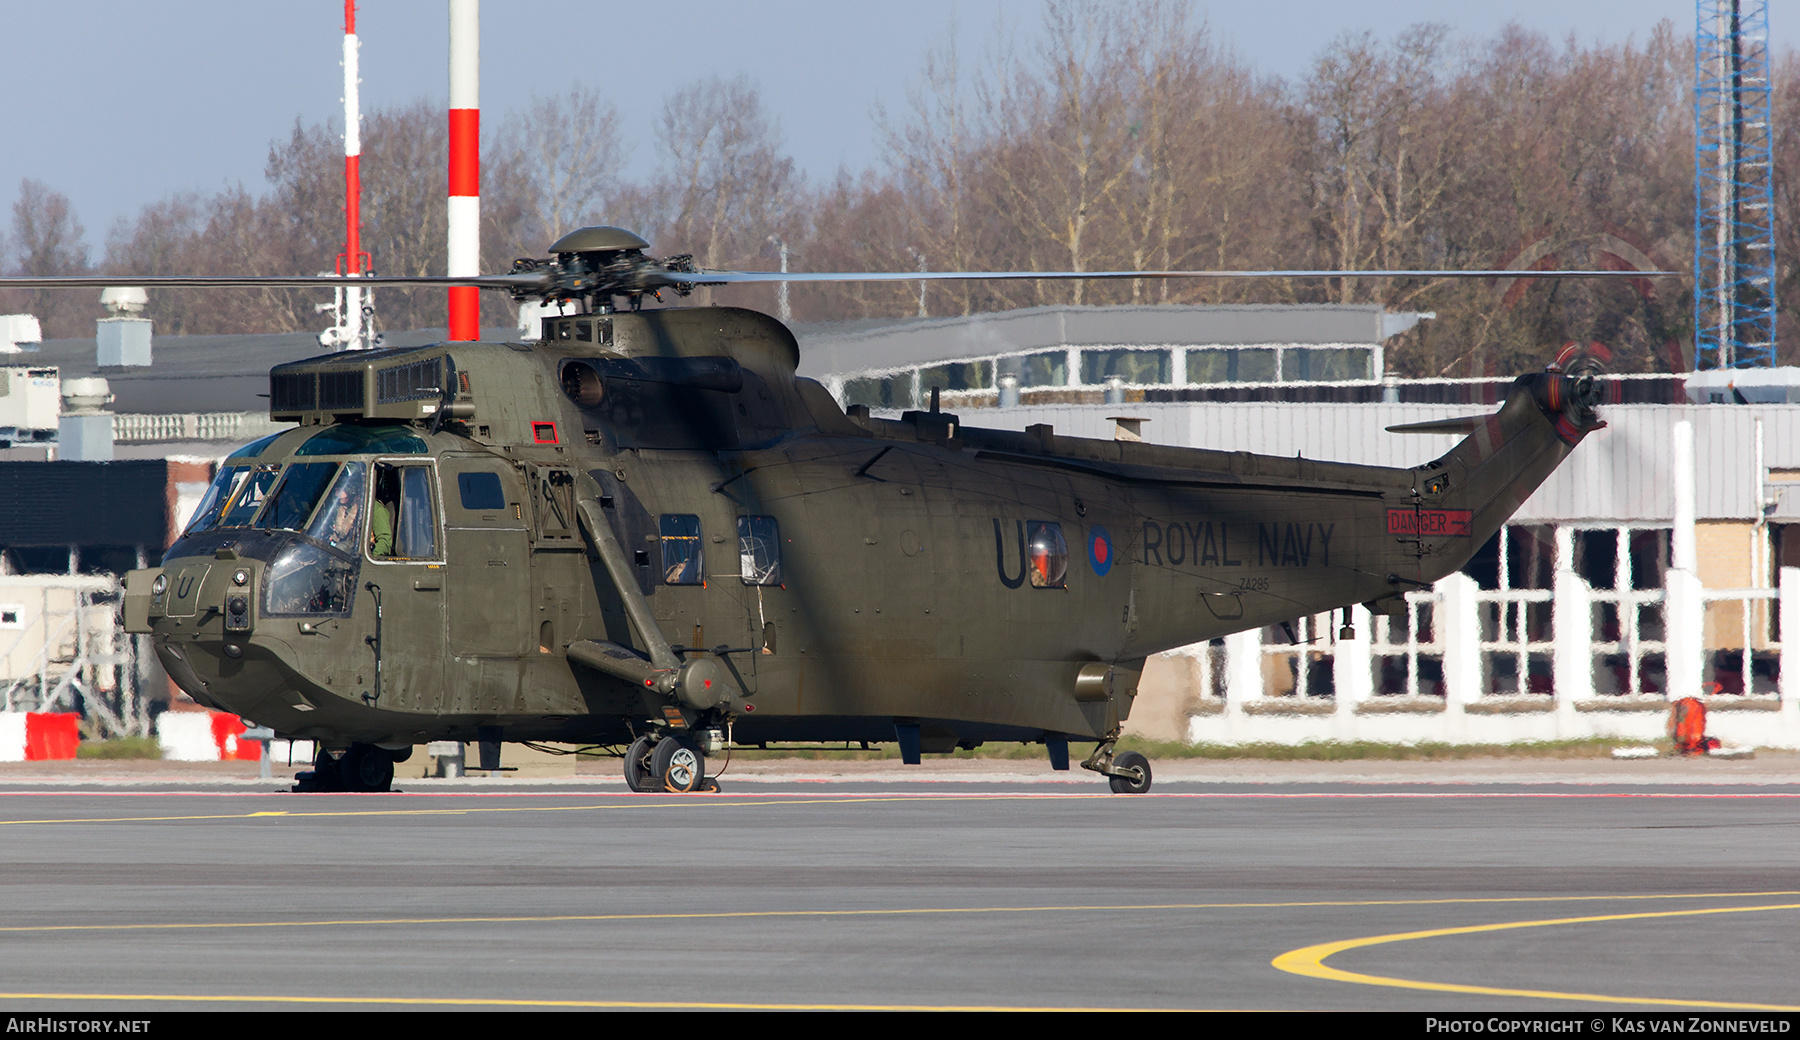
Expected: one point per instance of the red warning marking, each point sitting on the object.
(543, 432)
(1454, 522)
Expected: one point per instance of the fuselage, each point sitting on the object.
(415, 565)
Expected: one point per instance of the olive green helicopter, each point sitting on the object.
(644, 531)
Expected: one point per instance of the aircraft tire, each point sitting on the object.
(679, 764)
(1125, 784)
(325, 773)
(637, 765)
(366, 768)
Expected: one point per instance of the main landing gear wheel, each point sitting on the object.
(321, 778)
(678, 763)
(366, 767)
(1126, 784)
(637, 765)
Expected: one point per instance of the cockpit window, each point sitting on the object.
(403, 520)
(759, 550)
(304, 579)
(364, 440)
(293, 500)
(206, 517)
(339, 522)
(248, 497)
(254, 448)
(1048, 555)
(681, 558)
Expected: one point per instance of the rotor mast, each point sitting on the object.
(464, 247)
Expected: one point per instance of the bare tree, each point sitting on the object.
(725, 185)
(46, 241)
(568, 151)
(1385, 153)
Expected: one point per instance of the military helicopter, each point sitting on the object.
(644, 530)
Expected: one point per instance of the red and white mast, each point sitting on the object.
(352, 261)
(465, 166)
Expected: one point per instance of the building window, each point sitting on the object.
(1139, 367)
(890, 391)
(1050, 368)
(968, 375)
(1329, 364)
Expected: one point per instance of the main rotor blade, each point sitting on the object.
(526, 281)
(735, 277)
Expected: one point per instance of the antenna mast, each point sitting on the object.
(1734, 194)
(353, 307)
(465, 166)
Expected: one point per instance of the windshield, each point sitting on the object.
(248, 496)
(293, 501)
(306, 579)
(340, 520)
(206, 517)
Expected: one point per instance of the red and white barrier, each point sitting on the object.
(211, 736)
(32, 736)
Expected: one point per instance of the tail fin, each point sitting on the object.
(1479, 484)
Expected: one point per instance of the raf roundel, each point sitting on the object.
(1100, 550)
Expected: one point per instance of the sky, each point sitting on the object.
(119, 104)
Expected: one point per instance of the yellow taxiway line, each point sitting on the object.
(722, 915)
(1310, 960)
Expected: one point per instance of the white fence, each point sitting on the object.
(1493, 666)
(194, 426)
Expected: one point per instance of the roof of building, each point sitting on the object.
(1620, 474)
(863, 346)
(202, 373)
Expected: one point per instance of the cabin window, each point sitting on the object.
(1048, 555)
(480, 491)
(681, 558)
(759, 550)
(403, 522)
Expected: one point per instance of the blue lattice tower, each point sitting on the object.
(1734, 235)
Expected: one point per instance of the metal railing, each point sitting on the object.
(1306, 661)
(1753, 666)
(1627, 642)
(1412, 664)
(1516, 641)
(194, 426)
